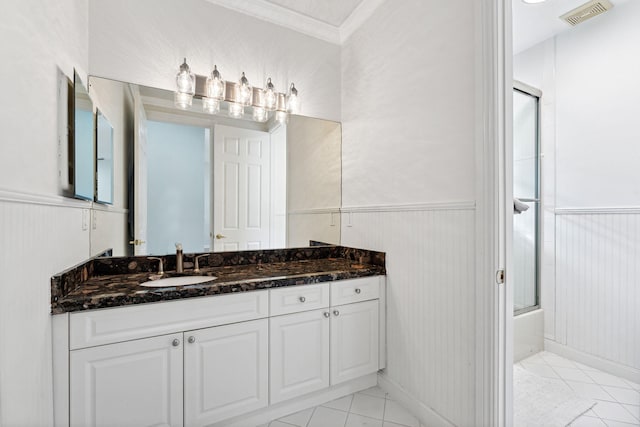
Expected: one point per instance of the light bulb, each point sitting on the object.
(244, 91)
(236, 110)
(182, 100)
(282, 117)
(259, 114)
(270, 96)
(215, 85)
(186, 86)
(211, 105)
(293, 102)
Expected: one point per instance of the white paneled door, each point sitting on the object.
(241, 189)
(225, 371)
(133, 383)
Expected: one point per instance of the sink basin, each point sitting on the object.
(177, 281)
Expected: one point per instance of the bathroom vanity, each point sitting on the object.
(271, 333)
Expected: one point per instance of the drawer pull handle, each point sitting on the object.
(336, 313)
(358, 290)
(327, 314)
(175, 342)
(302, 299)
(191, 339)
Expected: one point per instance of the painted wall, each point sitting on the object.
(591, 183)
(165, 31)
(41, 234)
(408, 104)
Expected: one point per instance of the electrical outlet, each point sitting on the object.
(85, 219)
(94, 220)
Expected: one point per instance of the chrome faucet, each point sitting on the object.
(179, 260)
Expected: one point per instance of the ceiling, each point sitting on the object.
(533, 23)
(330, 20)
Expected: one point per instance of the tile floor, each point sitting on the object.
(368, 408)
(617, 400)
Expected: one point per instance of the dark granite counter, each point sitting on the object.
(113, 282)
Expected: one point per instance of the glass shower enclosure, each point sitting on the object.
(526, 191)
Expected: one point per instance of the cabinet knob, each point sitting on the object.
(336, 313)
(191, 339)
(175, 342)
(302, 299)
(358, 290)
(326, 314)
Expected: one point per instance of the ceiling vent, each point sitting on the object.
(586, 11)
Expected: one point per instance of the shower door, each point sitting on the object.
(526, 189)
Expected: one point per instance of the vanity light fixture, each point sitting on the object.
(213, 91)
(186, 84)
(293, 102)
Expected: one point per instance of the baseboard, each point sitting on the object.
(425, 414)
(605, 365)
(272, 412)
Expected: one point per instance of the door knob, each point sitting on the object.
(220, 236)
(136, 242)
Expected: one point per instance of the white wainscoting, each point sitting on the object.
(39, 236)
(598, 283)
(430, 301)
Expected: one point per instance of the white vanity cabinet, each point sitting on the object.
(203, 361)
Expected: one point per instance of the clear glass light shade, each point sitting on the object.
(244, 92)
(236, 110)
(270, 96)
(282, 117)
(211, 105)
(182, 100)
(215, 85)
(293, 101)
(259, 114)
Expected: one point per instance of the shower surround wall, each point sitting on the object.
(591, 188)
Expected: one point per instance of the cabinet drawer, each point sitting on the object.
(295, 299)
(356, 290)
(97, 327)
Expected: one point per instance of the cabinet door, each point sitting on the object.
(299, 354)
(354, 340)
(134, 383)
(226, 371)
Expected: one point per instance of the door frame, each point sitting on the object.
(494, 213)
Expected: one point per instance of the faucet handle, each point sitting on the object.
(161, 267)
(197, 267)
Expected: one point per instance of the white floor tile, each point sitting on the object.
(573, 374)
(557, 361)
(623, 395)
(375, 392)
(634, 409)
(369, 406)
(278, 424)
(613, 411)
(590, 391)
(342, 404)
(327, 417)
(388, 424)
(299, 418)
(535, 359)
(602, 378)
(633, 385)
(355, 420)
(588, 422)
(611, 423)
(542, 370)
(397, 414)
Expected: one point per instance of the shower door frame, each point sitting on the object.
(537, 200)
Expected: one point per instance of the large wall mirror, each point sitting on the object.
(212, 182)
(83, 146)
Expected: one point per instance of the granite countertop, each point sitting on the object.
(113, 282)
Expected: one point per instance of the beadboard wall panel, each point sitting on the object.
(598, 283)
(430, 301)
(37, 241)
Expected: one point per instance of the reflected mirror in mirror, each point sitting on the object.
(83, 152)
(215, 183)
(104, 161)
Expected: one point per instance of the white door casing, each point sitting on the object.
(130, 383)
(299, 359)
(225, 371)
(354, 340)
(241, 214)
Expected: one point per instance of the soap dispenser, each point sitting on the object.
(179, 266)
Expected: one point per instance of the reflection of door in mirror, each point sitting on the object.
(84, 165)
(104, 161)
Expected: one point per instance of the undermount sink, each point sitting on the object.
(177, 281)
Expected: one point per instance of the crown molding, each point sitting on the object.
(287, 18)
(284, 17)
